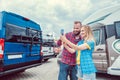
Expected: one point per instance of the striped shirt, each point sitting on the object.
(67, 57)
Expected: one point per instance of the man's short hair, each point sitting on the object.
(76, 22)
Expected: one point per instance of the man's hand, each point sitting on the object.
(63, 38)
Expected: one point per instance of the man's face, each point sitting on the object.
(76, 29)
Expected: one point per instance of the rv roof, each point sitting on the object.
(105, 16)
(96, 25)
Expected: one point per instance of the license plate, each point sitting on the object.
(14, 56)
(47, 51)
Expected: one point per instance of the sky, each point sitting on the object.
(54, 15)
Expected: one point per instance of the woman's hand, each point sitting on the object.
(64, 44)
(68, 48)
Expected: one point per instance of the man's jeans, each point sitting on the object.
(66, 70)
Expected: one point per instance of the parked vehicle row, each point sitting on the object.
(48, 46)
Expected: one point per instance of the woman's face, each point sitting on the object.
(83, 32)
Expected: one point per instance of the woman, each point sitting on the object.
(84, 49)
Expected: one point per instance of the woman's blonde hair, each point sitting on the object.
(88, 32)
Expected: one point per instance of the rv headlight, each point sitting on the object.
(116, 46)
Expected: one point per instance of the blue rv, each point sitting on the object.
(20, 43)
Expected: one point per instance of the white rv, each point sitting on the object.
(105, 24)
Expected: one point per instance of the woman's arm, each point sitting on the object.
(76, 47)
(68, 48)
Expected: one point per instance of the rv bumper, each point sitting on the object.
(113, 71)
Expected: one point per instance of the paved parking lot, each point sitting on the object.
(47, 71)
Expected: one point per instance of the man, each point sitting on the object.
(68, 60)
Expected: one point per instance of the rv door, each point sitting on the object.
(99, 55)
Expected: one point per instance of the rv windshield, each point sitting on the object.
(117, 28)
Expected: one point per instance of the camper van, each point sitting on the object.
(48, 47)
(105, 24)
(20, 43)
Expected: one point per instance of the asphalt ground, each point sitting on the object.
(47, 71)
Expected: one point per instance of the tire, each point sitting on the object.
(45, 60)
(21, 71)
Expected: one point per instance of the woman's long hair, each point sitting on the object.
(89, 33)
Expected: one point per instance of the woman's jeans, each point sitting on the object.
(66, 70)
(91, 76)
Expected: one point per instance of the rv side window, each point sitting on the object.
(19, 34)
(96, 34)
(110, 30)
(14, 30)
(117, 29)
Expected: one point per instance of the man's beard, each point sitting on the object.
(76, 34)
